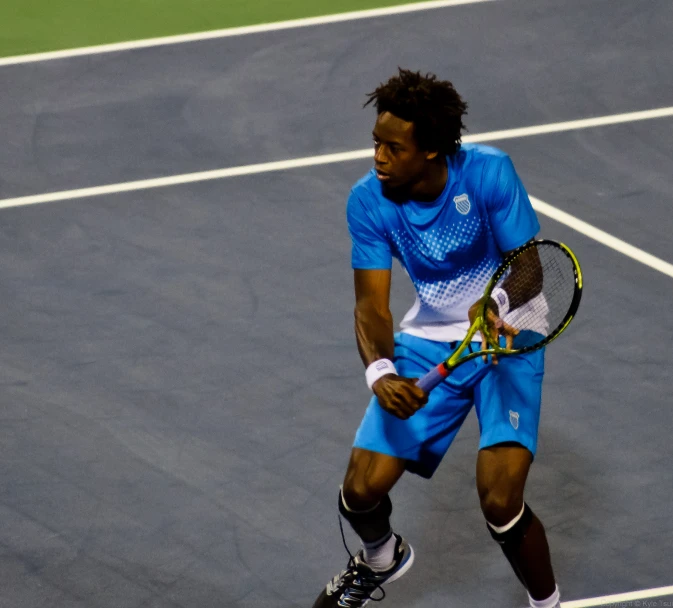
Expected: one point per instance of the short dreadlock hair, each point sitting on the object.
(433, 105)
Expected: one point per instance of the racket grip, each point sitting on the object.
(433, 378)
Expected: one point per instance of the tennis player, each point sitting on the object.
(449, 213)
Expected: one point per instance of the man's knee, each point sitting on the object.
(369, 479)
(500, 506)
(364, 500)
(362, 492)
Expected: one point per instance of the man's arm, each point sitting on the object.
(373, 320)
(525, 279)
(374, 334)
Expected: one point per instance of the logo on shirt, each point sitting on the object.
(462, 202)
(514, 419)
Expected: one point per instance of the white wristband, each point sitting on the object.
(502, 300)
(379, 368)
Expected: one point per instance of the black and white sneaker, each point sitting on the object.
(356, 585)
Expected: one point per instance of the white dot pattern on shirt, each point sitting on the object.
(465, 283)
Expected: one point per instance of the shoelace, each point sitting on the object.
(368, 584)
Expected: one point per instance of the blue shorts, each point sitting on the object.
(506, 397)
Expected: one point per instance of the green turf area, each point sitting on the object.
(31, 26)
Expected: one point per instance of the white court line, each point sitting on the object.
(325, 159)
(186, 178)
(237, 31)
(618, 599)
(602, 237)
(572, 125)
(540, 206)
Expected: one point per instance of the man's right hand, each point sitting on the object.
(399, 396)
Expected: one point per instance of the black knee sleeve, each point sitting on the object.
(515, 534)
(370, 525)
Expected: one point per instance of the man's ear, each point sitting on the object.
(431, 155)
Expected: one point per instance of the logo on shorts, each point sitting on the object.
(514, 419)
(462, 204)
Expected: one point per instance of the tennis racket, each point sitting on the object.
(538, 288)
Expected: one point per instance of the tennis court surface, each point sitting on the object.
(179, 375)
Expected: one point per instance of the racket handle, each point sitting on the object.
(433, 378)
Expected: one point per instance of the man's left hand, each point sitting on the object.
(493, 325)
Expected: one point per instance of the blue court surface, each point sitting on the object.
(179, 376)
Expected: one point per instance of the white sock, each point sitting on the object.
(380, 555)
(553, 601)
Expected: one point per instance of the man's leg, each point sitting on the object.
(365, 504)
(501, 476)
(419, 444)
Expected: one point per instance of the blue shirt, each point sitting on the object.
(449, 247)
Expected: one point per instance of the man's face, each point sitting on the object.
(398, 160)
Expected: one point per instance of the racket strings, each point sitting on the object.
(541, 288)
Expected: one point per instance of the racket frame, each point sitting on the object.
(444, 369)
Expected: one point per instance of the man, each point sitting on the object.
(449, 213)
